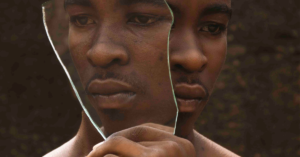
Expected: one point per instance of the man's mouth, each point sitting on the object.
(110, 94)
(189, 96)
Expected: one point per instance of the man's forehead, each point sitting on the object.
(77, 2)
(130, 2)
(122, 2)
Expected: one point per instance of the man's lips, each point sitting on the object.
(190, 92)
(189, 96)
(111, 94)
(109, 87)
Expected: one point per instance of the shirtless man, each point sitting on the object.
(136, 68)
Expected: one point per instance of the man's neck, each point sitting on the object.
(87, 135)
(80, 145)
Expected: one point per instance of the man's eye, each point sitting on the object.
(213, 28)
(142, 20)
(82, 20)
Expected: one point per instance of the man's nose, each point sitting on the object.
(106, 51)
(186, 54)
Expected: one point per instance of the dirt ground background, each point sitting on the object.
(254, 111)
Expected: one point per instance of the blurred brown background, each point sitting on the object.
(254, 111)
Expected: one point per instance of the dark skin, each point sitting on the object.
(198, 55)
(198, 46)
(135, 56)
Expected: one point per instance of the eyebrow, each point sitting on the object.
(86, 3)
(122, 2)
(216, 9)
(152, 2)
(209, 10)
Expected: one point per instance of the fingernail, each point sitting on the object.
(97, 145)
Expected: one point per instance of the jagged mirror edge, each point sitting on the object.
(68, 75)
(169, 67)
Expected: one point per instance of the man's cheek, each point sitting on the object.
(78, 50)
(216, 59)
(217, 52)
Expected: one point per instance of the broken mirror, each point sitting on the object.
(115, 55)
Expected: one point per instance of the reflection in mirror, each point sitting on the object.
(114, 53)
(57, 27)
(198, 46)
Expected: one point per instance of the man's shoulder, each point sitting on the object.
(207, 147)
(65, 150)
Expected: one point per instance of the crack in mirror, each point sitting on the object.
(116, 57)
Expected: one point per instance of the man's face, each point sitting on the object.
(119, 48)
(198, 46)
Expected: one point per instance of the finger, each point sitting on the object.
(160, 127)
(148, 144)
(182, 146)
(169, 148)
(119, 146)
(144, 133)
(110, 155)
(95, 146)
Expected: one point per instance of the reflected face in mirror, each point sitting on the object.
(198, 46)
(119, 48)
